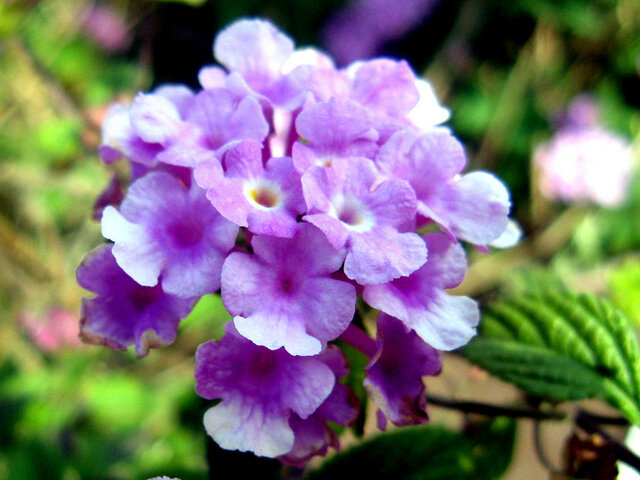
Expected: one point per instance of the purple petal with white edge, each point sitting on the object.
(307, 56)
(443, 321)
(333, 188)
(392, 203)
(180, 95)
(447, 263)
(409, 155)
(335, 124)
(510, 237)
(318, 185)
(124, 313)
(240, 424)
(155, 119)
(187, 152)
(313, 435)
(394, 375)
(382, 254)
(327, 83)
(386, 86)
(428, 112)
(254, 48)
(223, 120)
(278, 328)
(119, 138)
(211, 76)
(474, 208)
(275, 223)
(284, 294)
(244, 160)
(333, 229)
(163, 228)
(134, 249)
(308, 248)
(260, 390)
(453, 321)
(225, 194)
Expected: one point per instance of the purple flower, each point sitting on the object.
(166, 229)
(260, 390)
(256, 49)
(354, 211)
(443, 321)
(364, 26)
(337, 128)
(313, 436)
(119, 140)
(265, 198)
(326, 173)
(220, 121)
(262, 62)
(140, 131)
(386, 89)
(124, 313)
(394, 374)
(283, 295)
(473, 207)
(385, 86)
(583, 162)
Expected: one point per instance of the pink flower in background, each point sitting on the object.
(584, 162)
(57, 329)
(107, 28)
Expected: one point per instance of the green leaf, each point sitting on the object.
(427, 453)
(562, 346)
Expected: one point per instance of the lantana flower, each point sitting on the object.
(125, 313)
(284, 296)
(296, 189)
(165, 229)
(260, 389)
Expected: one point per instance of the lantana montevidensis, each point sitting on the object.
(294, 188)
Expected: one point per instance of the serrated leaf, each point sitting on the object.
(562, 346)
(427, 453)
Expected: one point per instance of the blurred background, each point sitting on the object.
(545, 93)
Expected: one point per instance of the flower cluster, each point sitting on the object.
(294, 188)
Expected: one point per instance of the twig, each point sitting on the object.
(493, 410)
(542, 456)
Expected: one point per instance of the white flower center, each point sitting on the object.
(353, 214)
(264, 195)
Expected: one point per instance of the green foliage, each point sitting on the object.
(624, 285)
(562, 346)
(74, 417)
(427, 453)
(357, 363)
(208, 317)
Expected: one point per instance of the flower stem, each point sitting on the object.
(359, 340)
